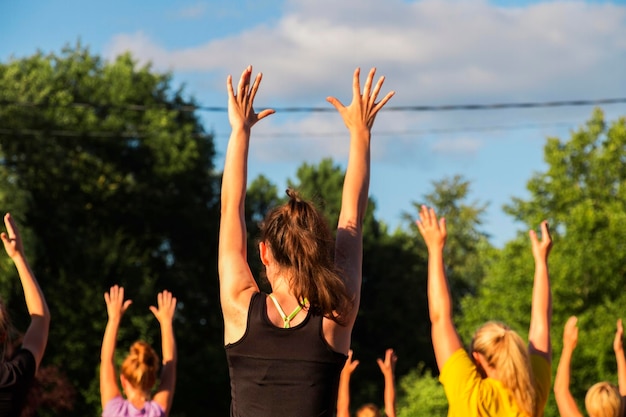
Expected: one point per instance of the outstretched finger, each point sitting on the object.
(263, 114)
(244, 81)
(375, 92)
(424, 215)
(10, 225)
(356, 84)
(255, 86)
(420, 226)
(126, 304)
(384, 101)
(367, 88)
(545, 231)
(431, 217)
(335, 102)
(229, 86)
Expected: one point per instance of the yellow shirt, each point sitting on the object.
(470, 395)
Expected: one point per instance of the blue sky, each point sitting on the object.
(432, 52)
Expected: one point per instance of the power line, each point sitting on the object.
(412, 132)
(412, 108)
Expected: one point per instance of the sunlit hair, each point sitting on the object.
(506, 352)
(368, 410)
(141, 366)
(603, 400)
(301, 242)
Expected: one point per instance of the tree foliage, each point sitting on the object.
(467, 255)
(115, 185)
(111, 178)
(582, 195)
(421, 394)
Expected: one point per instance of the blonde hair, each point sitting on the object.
(506, 352)
(140, 366)
(603, 400)
(368, 410)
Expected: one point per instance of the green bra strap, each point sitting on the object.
(286, 318)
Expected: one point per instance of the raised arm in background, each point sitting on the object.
(564, 399)
(164, 313)
(36, 336)
(236, 281)
(343, 394)
(541, 312)
(359, 118)
(618, 347)
(388, 368)
(445, 338)
(116, 307)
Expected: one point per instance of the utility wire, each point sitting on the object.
(411, 132)
(191, 108)
(412, 108)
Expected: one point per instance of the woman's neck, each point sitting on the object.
(137, 398)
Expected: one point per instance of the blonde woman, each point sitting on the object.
(17, 370)
(285, 350)
(603, 399)
(501, 375)
(139, 370)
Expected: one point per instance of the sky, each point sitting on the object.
(431, 52)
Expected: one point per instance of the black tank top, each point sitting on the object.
(276, 372)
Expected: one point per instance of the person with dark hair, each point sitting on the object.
(503, 376)
(18, 368)
(387, 368)
(603, 399)
(139, 370)
(286, 349)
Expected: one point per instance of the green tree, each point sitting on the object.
(582, 194)
(467, 247)
(468, 253)
(421, 394)
(116, 183)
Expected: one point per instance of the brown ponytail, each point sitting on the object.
(301, 241)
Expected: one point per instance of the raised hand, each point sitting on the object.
(361, 112)
(432, 230)
(116, 305)
(241, 113)
(166, 307)
(11, 238)
(541, 248)
(350, 364)
(570, 333)
(388, 365)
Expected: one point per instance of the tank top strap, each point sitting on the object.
(286, 318)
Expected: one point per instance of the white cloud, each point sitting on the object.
(432, 48)
(431, 51)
